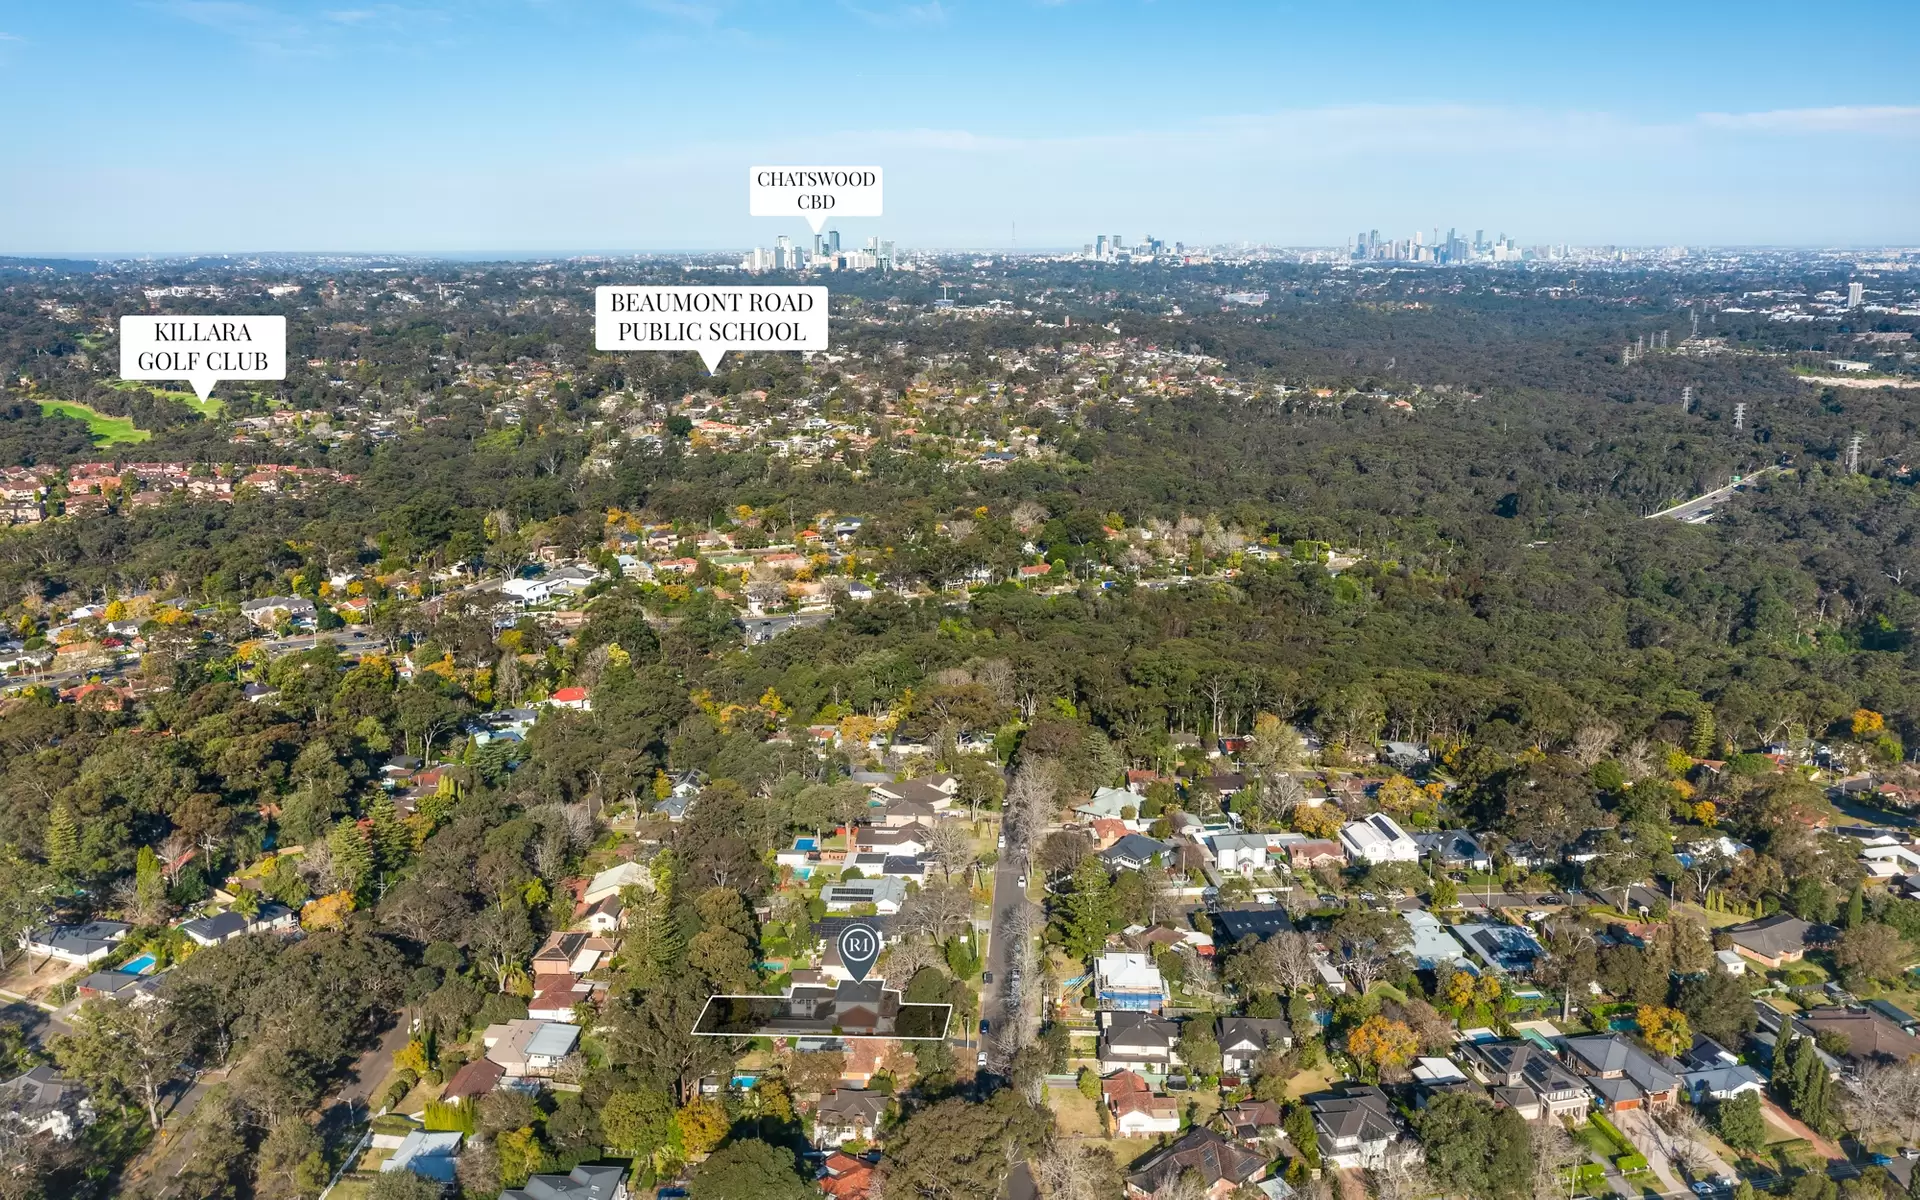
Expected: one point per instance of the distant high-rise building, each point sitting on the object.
(1855, 294)
(1100, 245)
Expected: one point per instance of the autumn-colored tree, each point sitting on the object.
(1456, 990)
(1321, 822)
(1381, 1043)
(1663, 1029)
(327, 911)
(1867, 724)
(701, 1125)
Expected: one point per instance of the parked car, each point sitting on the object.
(986, 977)
(982, 1063)
(984, 1025)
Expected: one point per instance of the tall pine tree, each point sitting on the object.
(1089, 910)
(63, 841)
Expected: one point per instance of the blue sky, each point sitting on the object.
(539, 125)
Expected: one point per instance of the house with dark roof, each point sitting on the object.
(1252, 1121)
(110, 985)
(1244, 1039)
(1221, 1165)
(1454, 850)
(1137, 1041)
(849, 1114)
(211, 931)
(41, 1101)
(1357, 1127)
(473, 1081)
(1523, 1076)
(1624, 1076)
(76, 944)
(1774, 941)
(582, 1183)
(1230, 925)
(1134, 852)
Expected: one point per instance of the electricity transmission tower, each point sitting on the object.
(1853, 455)
(1739, 417)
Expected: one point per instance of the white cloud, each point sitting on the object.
(1845, 118)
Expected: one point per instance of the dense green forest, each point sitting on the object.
(1406, 506)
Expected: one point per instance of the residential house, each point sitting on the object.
(1137, 1041)
(110, 985)
(1378, 838)
(574, 698)
(900, 813)
(75, 944)
(582, 1183)
(1524, 1076)
(1254, 1122)
(1774, 941)
(844, 1177)
(1244, 853)
(473, 1081)
(428, 1154)
(604, 916)
(1455, 850)
(1315, 852)
(1356, 1127)
(934, 791)
(610, 881)
(1234, 925)
(1138, 1111)
(1116, 804)
(41, 1101)
(1125, 980)
(909, 840)
(1624, 1076)
(849, 1114)
(1134, 852)
(886, 895)
(1244, 1039)
(1869, 1035)
(528, 1047)
(272, 610)
(1221, 1165)
(1505, 948)
(211, 931)
(1431, 946)
(570, 953)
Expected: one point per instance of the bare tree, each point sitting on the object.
(1884, 1100)
(937, 912)
(1553, 1154)
(1592, 741)
(907, 958)
(1636, 761)
(950, 845)
(1030, 801)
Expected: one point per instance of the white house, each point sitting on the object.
(1378, 839)
(528, 591)
(1241, 852)
(1129, 981)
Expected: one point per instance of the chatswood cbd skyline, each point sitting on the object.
(1018, 125)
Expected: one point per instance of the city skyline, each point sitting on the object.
(556, 127)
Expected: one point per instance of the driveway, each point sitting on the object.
(1654, 1142)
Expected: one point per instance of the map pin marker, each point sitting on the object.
(859, 947)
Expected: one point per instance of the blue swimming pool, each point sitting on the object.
(139, 966)
(804, 844)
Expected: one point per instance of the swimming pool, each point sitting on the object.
(141, 965)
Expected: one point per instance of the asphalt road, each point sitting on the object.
(1700, 508)
(1000, 948)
